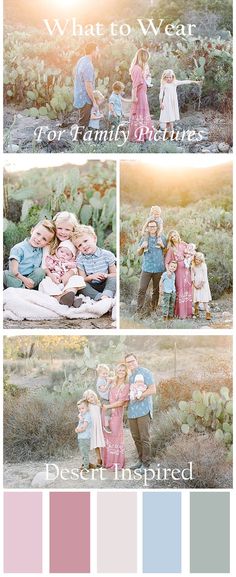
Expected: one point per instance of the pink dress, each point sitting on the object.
(183, 283)
(140, 118)
(114, 451)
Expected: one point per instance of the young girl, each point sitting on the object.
(59, 264)
(201, 289)
(154, 215)
(168, 98)
(65, 223)
(96, 115)
(97, 438)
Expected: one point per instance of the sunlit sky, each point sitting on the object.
(23, 162)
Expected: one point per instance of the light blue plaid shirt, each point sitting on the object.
(99, 261)
(153, 259)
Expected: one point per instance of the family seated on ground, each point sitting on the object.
(60, 259)
(100, 416)
(178, 272)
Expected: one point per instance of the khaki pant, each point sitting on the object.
(145, 280)
(140, 431)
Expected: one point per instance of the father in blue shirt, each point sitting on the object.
(84, 86)
(152, 267)
(140, 413)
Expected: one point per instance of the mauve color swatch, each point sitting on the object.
(69, 533)
(210, 532)
(22, 533)
(162, 532)
(117, 532)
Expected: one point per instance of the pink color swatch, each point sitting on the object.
(69, 533)
(22, 532)
(117, 532)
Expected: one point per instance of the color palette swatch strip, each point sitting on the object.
(117, 532)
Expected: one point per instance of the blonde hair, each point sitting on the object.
(50, 226)
(63, 216)
(169, 241)
(125, 377)
(82, 229)
(200, 256)
(166, 73)
(102, 366)
(98, 95)
(155, 207)
(81, 401)
(139, 59)
(118, 86)
(87, 394)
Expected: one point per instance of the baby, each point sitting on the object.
(189, 253)
(154, 215)
(105, 379)
(137, 388)
(65, 282)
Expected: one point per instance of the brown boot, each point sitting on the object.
(196, 310)
(67, 299)
(208, 316)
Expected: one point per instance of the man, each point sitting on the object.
(84, 86)
(140, 413)
(152, 267)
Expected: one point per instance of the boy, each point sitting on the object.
(115, 104)
(96, 265)
(168, 290)
(103, 385)
(83, 431)
(26, 258)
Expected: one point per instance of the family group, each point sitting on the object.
(178, 272)
(61, 259)
(88, 100)
(101, 411)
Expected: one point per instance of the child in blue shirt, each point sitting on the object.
(168, 291)
(83, 431)
(115, 103)
(96, 265)
(25, 258)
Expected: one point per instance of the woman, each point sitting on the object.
(114, 451)
(176, 248)
(140, 127)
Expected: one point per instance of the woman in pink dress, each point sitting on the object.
(114, 451)
(176, 252)
(140, 123)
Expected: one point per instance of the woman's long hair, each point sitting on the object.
(125, 376)
(141, 57)
(170, 244)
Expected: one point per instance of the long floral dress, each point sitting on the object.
(139, 113)
(114, 451)
(183, 282)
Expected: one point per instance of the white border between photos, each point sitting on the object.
(118, 332)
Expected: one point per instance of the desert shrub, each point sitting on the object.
(165, 427)
(38, 426)
(211, 469)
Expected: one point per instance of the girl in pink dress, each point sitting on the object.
(140, 127)
(176, 252)
(114, 451)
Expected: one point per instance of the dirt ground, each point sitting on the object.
(104, 322)
(221, 317)
(21, 475)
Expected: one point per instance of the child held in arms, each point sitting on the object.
(25, 260)
(96, 265)
(154, 215)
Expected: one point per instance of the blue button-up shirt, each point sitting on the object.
(141, 408)
(84, 73)
(99, 261)
(115, 99)
(153, 259)
(28, 257)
